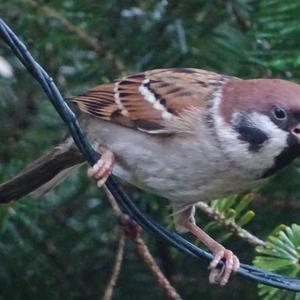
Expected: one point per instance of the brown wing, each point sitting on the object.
(146, 101)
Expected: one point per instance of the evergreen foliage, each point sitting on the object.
(63, 245)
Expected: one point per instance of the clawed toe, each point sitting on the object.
(103, 168)
(231, 265)
(230, 261)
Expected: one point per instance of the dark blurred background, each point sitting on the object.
(63, 245)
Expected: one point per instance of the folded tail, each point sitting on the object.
(42, 174)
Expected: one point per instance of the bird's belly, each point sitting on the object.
(187, 180)
(180, 170)
(186, 187)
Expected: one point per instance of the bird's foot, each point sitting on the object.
(231, 265)
(231, 262)
(103, 168)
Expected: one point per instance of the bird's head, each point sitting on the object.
(263, 121)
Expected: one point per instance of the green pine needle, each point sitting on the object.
(281, 254)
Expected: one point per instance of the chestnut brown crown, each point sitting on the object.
(280, 99)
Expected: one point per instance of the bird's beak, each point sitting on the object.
(296, 131)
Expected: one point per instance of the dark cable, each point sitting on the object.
(51, 90)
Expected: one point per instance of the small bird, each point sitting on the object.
(184, 134)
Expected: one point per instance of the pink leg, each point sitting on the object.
(231, 262)
(103, 168)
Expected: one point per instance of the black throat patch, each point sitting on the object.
(285, 157)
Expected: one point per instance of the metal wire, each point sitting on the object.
(175, 240)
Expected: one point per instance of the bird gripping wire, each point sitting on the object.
(175, 240)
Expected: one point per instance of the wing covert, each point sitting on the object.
(147, 101)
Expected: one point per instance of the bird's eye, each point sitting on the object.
(279, 113)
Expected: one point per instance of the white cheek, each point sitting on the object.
(276, 143)
(238, 151)
(277, 137)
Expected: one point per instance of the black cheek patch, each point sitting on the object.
(285, 157)
(252, 135)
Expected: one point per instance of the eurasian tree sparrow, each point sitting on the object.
(184, 134)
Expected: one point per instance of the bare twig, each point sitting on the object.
(242, 23)
(116, 270)
(230, 225)
(114, 205)
(116, 66)
(164, 283)
(133, 231)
